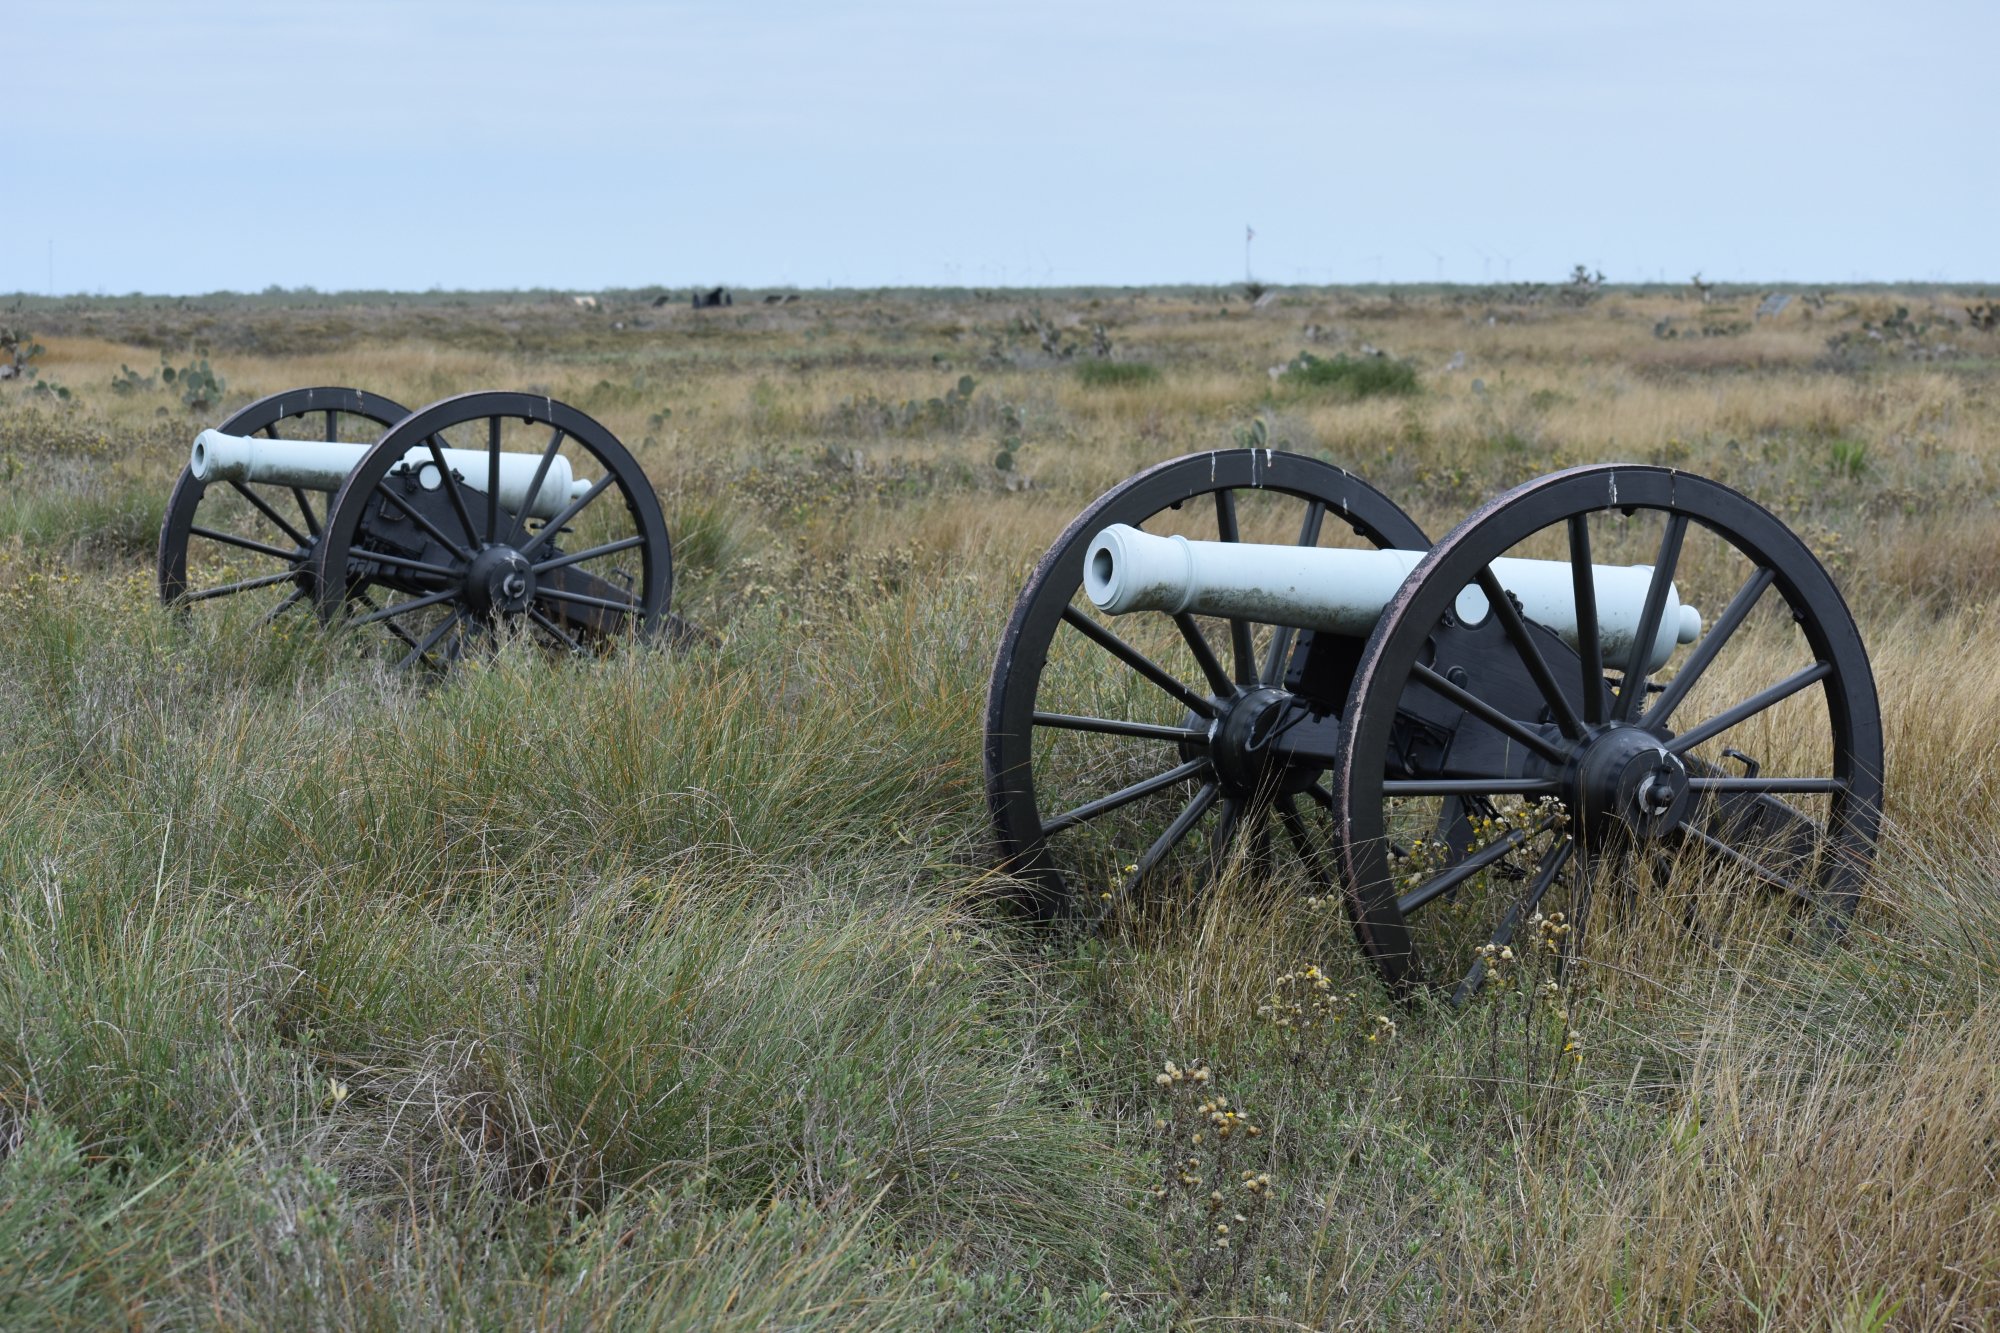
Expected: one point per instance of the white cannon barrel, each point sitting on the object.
(321, 465)
(1344, 591)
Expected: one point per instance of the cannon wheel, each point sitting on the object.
(1157, 773)
(278, 525)
(1638, 777)
(443, 607)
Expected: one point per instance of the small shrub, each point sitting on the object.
(1352, 377)
(1115, 374)
(1849, 458)
(1212, 1202)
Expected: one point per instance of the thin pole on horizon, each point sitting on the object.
(1249, 235)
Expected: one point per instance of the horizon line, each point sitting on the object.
(277, 291)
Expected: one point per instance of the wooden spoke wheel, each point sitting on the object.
(1154, 745)
(540, 523)
(1755, 750)
(224, 543)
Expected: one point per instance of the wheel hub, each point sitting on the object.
(1243, 743)
(1627, 779)
(500, 579)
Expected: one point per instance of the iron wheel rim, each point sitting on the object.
(1781, 565)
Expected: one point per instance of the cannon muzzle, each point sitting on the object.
(321, 465)
(1344, 591)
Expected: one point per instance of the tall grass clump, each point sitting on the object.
(1349, 376)
(541, 944)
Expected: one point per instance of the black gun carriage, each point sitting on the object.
(1253, 658)
(435, 530)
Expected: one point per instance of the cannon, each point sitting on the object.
(435, 530)
(1253, 661)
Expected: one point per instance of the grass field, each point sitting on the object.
(670, 989)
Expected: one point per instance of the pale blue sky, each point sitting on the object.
(193, 145)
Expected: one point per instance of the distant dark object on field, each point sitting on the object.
(781, 298)
(662, 299)
(711, 300)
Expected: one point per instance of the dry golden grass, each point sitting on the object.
(1764, 1132)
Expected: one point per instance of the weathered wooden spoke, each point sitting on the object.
(1632, 691)
(242, 585)
(245, 543)
(1488, 714)
(1749, 708)
(549, 452)
(1136, 660)
(1280, 647)
(554, 631)
(1204, 656)
(277, 520)
(1125, 796)
(1552, 865)
(1531, 654)
(1438, 885)
(1227, 528)
(1112, 726)
(621, 604)
(1176, 832)
(431, 640)
(1661, 713)
(592, 553)
(1590, 646)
